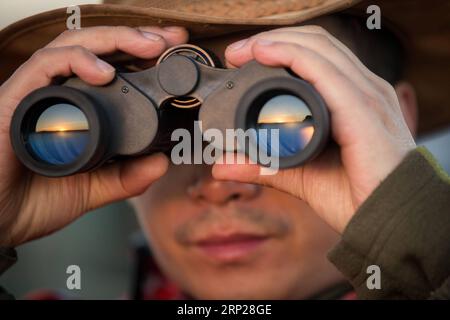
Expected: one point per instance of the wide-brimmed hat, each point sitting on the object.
(425, 26)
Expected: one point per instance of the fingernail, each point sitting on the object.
(237, 45)
(104, 66)
(173, 28)
(264, 42)
(151, 36)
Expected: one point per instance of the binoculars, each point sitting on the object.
(74, 127)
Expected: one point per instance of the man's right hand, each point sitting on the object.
(32, 206)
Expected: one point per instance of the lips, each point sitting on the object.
(230, 248)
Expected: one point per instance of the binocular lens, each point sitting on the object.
(60, 135)
(292, 118)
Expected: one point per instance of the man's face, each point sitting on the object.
(232, 240)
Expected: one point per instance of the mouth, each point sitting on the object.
(230, 248)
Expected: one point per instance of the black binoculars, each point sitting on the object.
(65, 129)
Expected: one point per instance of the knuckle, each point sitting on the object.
(386, 86)
(264, 34)
(64, 36)
(292, 47)
(122, 34)
(68, 33)
(123, 29)
(294, 52)
(324, 41)
(277, 30)
(295, 46)
(258, 35)
(369, 100)
(374, 100)
(40, 54)
(292, 29)
(78, 50)
(182, 35)
(319, 29)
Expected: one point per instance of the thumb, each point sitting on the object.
(287, 180)
(125, 179)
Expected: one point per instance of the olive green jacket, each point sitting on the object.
(403, 229)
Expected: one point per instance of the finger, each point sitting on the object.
(321, 44)
(48, 63)
(345, 100)
(314, 29)
(310, 66)
(310, 29)
(146, 43)
(287, 180)
(229, 65)
(173, 35)
(239, 53)
(125, 179)
(318, 30)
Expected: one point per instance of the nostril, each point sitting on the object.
(234, 197)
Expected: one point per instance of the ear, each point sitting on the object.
(408, 103)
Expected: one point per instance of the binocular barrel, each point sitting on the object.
(71, 128)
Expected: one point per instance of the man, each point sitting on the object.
(219, 238)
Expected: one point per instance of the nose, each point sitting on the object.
(209, 190)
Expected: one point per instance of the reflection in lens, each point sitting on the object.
(60, 135)
(292, 117)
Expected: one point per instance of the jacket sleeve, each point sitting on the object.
(404, 229)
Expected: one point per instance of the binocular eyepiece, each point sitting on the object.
(66, 129)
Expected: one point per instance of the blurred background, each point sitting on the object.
(99, 242)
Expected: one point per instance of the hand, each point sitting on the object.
(366, 122)
(32, 206)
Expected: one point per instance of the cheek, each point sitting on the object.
(309, 233)
(313, 237)
(159, 223)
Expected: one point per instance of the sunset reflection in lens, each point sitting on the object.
(292, 117)
(60, 136)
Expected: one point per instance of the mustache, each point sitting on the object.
(235, 220)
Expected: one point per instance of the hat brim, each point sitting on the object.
(429, 45)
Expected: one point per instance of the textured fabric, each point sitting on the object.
(404, 228)
(245, 9)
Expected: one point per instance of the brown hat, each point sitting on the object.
(424, 24)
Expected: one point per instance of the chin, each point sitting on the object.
(252, 289)
(214, 294)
